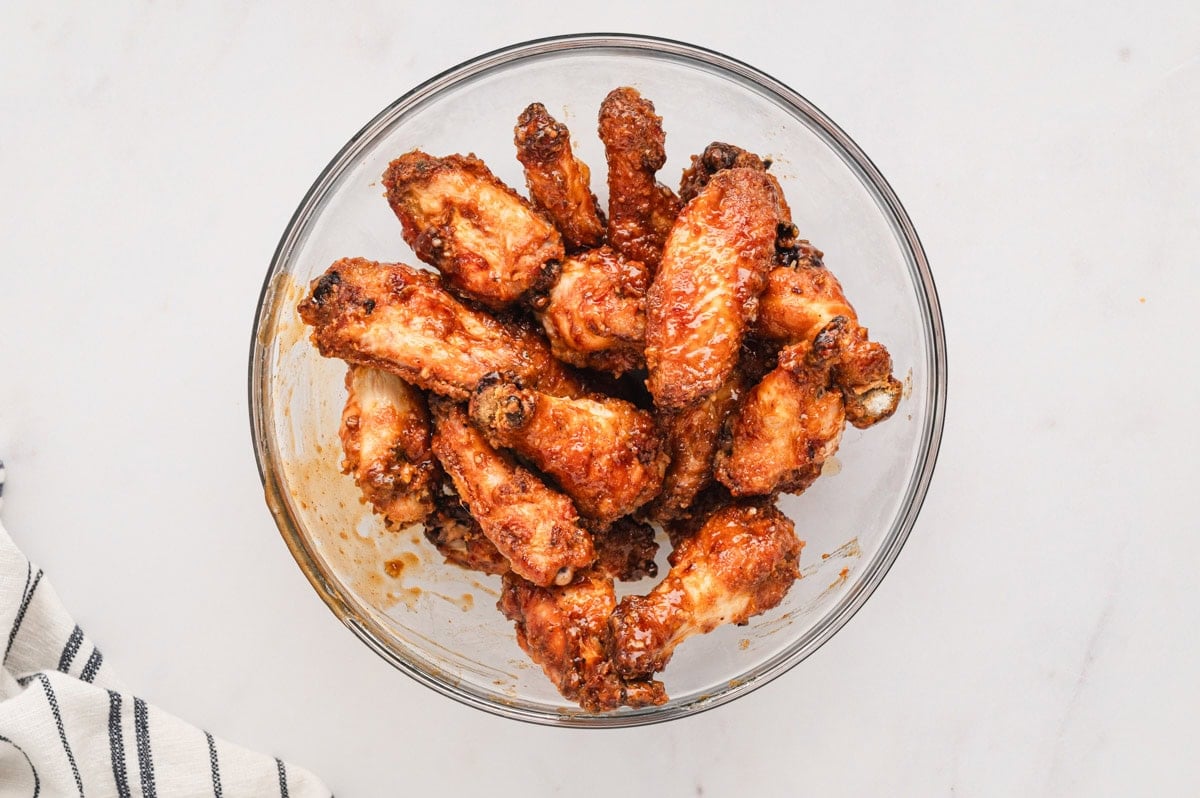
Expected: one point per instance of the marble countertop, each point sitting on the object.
(1033, 637)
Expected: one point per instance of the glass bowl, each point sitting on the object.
(438, 623)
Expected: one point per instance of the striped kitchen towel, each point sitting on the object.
(68, 727)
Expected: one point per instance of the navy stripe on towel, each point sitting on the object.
(91, 666)
(141, 728)
(70, 649)
(62, 732)
(216, 768)
(116, 745)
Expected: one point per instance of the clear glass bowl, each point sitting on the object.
(438, 623)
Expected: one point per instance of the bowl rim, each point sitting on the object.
(935, 409)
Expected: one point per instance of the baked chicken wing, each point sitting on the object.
(401, 320)
(640, 209)
(459, 217)
(565, 630)
(595, 314)
(559, 183)
(604, 453)
(789, 424)
(625, 549)
(739, 562)
(385, 437)
(713, 267)
(452, 530)
(803, 300)
(535, 528)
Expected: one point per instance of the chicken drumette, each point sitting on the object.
(481, 234)
(739, 561)
(401, 320)
(385, 437)
(604, 453)
(640, 209)
(559, 183)
(535, 528)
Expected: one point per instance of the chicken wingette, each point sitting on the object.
(559, 183)
(401, 320)
(483, 236)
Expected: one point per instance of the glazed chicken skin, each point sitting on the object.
(716, 157)
(740, 561)
(385, 436)
(401, 320)
(595, 314)
(625, 549)
(559, 183)
(565, 630)
(641, 210)
(789, 424)
(535, 528)
(714, 266)
(483, 236)
(458, 537)
(803, 300)
(602, 452)
(691, 437)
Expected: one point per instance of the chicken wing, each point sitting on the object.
(715, 158)
(400, 319)
(535, 528)
(483, 236)
(595, 315)
(559, 183)
(640, 209)
(625, 549)
(740, 562)
(714, 266)
(691, 436)
(803, 300)
(565, 630)
(452, 530)
(789, 424)
(604, 453)
(385, 437)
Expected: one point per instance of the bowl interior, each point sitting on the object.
(438, 622)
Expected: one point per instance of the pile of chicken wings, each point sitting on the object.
(568, 378)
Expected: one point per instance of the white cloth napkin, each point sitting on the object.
(68, 727)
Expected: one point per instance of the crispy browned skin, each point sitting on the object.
(719, 156)
(789, 424)
(713, 268)
(565, 630)
(803, 300)
(385, 437)
(481, 234)
(604, 453)
(692, 436)
(640, 209)
(740, 562)
(595, 314)
(559, 183)
(625, 549)
(401, 320)
(535, 528)
(458, 536)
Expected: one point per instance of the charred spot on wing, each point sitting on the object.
(325, 286)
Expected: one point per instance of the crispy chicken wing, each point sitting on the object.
(640, 209)
(481, 234)
(400, 319)
(692, 436)
(458, 536)
(713, 268)
(739, 562)
(625, 549)
(565, 630)
(789, 424)
(385, 437)
(535, 528)
(559, 183)
(604, 453)
(803, 300)
(595, 314)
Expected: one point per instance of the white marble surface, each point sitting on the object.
(1036, 637)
